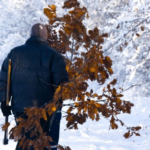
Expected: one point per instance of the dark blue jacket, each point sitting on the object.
(36, 71)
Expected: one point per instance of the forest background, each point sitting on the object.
(127, 23)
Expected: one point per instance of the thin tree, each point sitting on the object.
(83, 51)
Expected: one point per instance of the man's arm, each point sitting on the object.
(3, 79)
(58, 70)
(6, 110)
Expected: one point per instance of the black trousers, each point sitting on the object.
(54, 129)
(51, 127)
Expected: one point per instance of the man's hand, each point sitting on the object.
(6, 110)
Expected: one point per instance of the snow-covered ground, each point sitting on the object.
(16, 19)
(96, 135)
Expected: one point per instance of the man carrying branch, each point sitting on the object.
(36, 71)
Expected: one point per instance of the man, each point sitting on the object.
(35, 69)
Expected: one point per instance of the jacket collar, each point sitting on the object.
(36, 39)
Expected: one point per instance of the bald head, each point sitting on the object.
(39, 30)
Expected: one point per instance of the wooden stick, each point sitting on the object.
(5, 141)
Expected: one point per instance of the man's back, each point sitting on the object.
(36, 68)
(36, 71)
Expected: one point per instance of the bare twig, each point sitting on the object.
(48, 83)
(133, 29)
(134, 85)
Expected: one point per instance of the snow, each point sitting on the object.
(96, 135)
(130, 66)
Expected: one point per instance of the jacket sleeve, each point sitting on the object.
(58, 70)
(3, 79)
